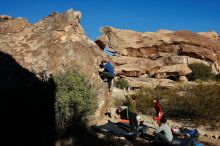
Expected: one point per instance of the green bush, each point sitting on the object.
(121, 83)
(74, 99)
(200, 71)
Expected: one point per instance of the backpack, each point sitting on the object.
(193, 133)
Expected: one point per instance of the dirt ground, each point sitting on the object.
(209, 142)
(207, 137)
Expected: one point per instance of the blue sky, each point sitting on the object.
(138, 15)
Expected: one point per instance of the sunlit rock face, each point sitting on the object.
(53, 44)
(163, 54)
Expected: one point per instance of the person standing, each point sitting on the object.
(107, 72)
(159, 111)
(132, 112)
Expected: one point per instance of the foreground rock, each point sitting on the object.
(51, 45)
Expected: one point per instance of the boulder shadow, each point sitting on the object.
(27, 106)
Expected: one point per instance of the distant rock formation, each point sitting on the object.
(52, 44)
(210, 35)
(163, 54)
(5, 17)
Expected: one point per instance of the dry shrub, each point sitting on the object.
(199, 103)
(121, 83)
(146, 96)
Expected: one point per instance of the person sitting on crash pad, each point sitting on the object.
(163, 133)
(159, 111)
(107, 72)
(132, 112)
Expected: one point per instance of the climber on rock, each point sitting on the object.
(107, 72)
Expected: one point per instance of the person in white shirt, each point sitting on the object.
(163, 133)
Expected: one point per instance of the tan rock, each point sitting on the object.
(183, 79)
(101, 42)
(212, 35)
(164, 31)
(149, 82)
(163, 43)
(130, 70)
(125, 41)
(53, 44)
(12, 25)
(5, 17)
(135, 66)
(173, 70)
(120, 60)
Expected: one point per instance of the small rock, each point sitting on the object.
(5, 17)
(183, 79)
(214, 136)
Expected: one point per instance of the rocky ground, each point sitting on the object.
(207, 137)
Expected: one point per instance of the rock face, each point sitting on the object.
(162, 54)
(175, 70)
(53, 44)
(210, 35)
(5, 17)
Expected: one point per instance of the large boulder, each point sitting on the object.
(162, 53)
(173, 70)
(53, 44)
